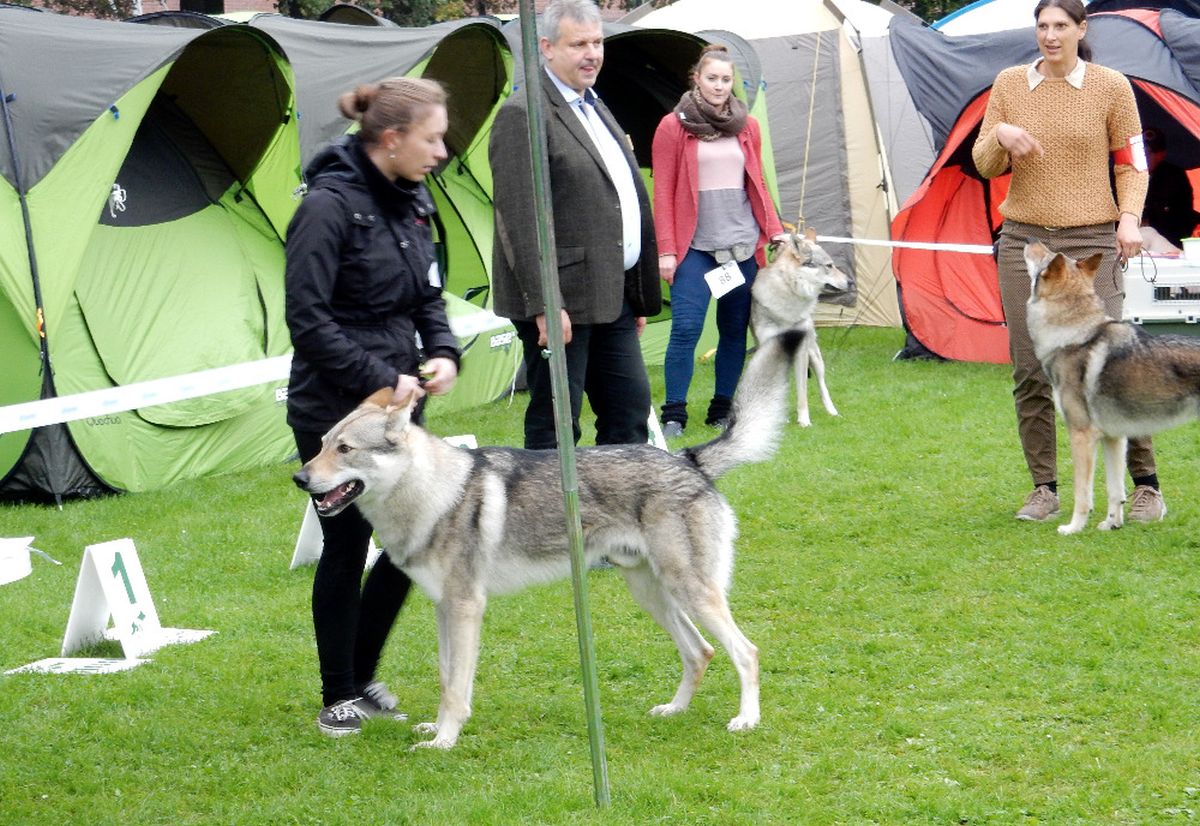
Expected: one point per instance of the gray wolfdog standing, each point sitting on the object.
(1111, 380)
(467, 524)
(784, 296)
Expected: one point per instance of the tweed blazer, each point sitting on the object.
(592, 281)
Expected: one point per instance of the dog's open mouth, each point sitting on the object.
(335, 501)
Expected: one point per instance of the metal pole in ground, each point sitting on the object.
(562, 404)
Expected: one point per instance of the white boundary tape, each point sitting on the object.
(207, 382)
(142, 394)
(189, 386)
(975, 249)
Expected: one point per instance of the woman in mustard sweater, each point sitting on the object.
(711, 207)
(1054, 123)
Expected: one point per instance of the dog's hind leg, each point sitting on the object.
(801, 367)
(695, 577)
(1114, 476)
(818, 366)
(1083, 459)
(459, 620)
(694, 650)
(705, 602)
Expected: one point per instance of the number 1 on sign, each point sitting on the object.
(118, 569)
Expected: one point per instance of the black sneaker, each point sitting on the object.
(341, 718)
(377, 701)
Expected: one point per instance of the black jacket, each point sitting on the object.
(358, 284)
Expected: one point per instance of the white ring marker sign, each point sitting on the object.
(112, 585)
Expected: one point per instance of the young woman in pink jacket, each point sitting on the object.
(712, 214)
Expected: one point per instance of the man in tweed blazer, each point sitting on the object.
(607, 259)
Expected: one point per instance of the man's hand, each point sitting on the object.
(541, 326)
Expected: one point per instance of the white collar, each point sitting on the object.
(569, 94)
(1075, 78)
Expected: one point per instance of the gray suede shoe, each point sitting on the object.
(1039, 506)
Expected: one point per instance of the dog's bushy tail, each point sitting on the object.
(760, 409)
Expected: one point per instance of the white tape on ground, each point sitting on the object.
(178, 388)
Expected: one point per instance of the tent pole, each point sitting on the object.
(562, 406)
(40, 316)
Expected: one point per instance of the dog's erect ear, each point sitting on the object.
(810, 235)
(1090, 264)
(1057, 268)
(1037, 256)
(380, 398)
(400, 411)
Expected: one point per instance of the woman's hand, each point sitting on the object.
(408, 391)
(440, 374)
(1017, 141)
(1129, 236)
(666, 268)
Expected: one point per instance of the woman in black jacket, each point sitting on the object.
(362, 284)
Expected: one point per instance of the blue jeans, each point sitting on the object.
(689, 306)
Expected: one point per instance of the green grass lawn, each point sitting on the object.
(925, 657)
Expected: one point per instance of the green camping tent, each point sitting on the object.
(148, 176)
(147, 214)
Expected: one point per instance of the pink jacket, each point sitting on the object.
(676, 187)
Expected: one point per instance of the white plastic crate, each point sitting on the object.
(1162, 290)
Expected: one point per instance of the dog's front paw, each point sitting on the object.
(1069, 528)
(425, 728)
(443, 743)
(667, 710)
(742, 723)
(1112, 523)
(804, 420)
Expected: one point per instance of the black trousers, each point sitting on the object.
(603, 360)
(352, 618)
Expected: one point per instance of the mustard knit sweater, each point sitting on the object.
(1069, 185)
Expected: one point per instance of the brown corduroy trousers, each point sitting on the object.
(1031, 390)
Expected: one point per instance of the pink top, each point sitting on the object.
(721, 164)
